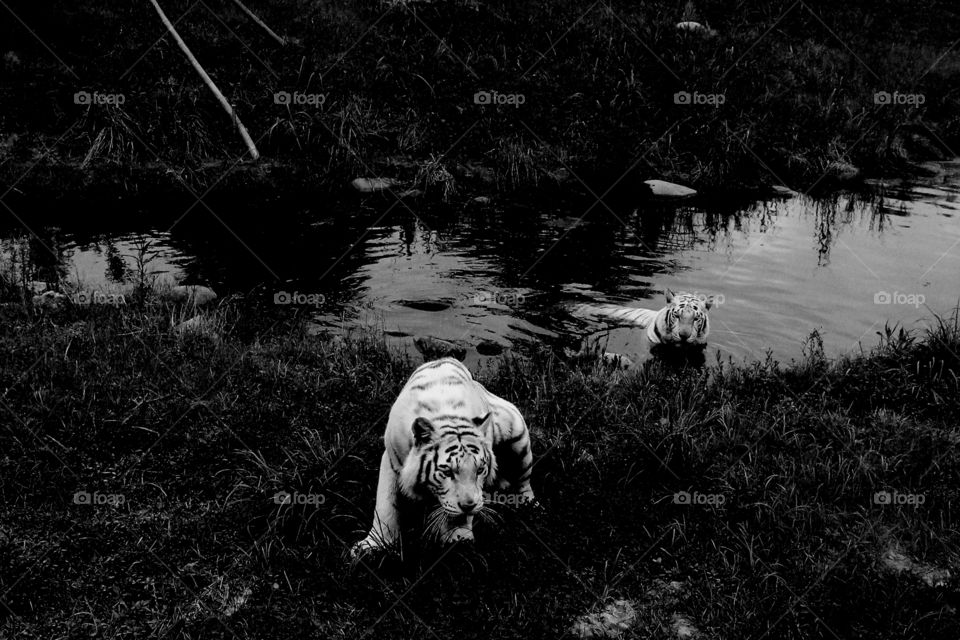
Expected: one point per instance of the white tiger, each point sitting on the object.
(448, 438)
(683, 322)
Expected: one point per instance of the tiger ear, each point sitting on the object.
(669, 295)
(423, 432)
(483, 422)
(708, 302)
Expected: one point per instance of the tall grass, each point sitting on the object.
(200, 436)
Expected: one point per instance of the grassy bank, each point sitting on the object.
(177, 446)
(389, 88)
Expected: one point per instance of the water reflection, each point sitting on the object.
(511, 274)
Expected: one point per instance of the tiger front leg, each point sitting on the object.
(386, 520)
(515, 458)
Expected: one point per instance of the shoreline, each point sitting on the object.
(269, 179)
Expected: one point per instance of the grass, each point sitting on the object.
(399, 80)
(190, 440)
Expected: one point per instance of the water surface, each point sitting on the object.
(510, 274)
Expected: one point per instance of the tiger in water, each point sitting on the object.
(448, 439)
(683, 322)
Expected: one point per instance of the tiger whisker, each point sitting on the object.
(488, 515)
(435, 523)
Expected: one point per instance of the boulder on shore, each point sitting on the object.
(664, 189)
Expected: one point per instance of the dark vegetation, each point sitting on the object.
(197, 436)
(398, 81)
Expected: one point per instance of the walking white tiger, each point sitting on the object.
(683, 322)
(448, 438)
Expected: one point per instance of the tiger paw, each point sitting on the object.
(366, 546)
(530, 503)
(458, 534)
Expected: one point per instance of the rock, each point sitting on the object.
(194, 294)
(842, 171)
(434, 348)
(663, 189)
(489, 348)
(482, 200)
(373, 185)
(689, 26)
(895, 561)
(49, 300)
(683, 628)
(782, 191)
(616, 618)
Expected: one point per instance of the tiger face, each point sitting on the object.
(684, 321)
(452, 459)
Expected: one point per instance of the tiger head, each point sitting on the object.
(683, 322)
(452, 461)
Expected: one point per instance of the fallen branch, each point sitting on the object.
(206, 78)
(260, 22)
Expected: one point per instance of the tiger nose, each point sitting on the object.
(467, 506)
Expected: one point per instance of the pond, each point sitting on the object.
(512, 274)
